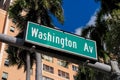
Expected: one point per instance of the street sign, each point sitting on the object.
(61, 41)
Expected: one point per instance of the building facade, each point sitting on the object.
(52, 68)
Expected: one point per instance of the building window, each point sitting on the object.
(48, 68)
(46, 78)
(75, 68)
(47, 58)
(63, 74)
(6, 63)
(4, 76)
(63, 63)
(12, 29)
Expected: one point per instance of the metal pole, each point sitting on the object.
(11, 40)
(38, 57)
(99, 66)
(115, 75)
(28, 66)
(38, 66)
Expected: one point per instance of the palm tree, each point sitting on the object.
(106, 30)
(96, 32)
(38, 11)
(111, 9)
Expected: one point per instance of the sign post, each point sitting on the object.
(61, 41)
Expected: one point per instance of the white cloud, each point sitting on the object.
(92, 19)
(78, 31)
(90, 22)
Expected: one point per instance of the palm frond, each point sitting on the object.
(34, 10)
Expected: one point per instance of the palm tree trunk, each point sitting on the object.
(38, 66)
(28, 66)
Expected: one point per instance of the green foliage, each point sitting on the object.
(34, 10)
(112, 36)
(107, 6)
(86, 73)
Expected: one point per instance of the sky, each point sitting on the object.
(77, 14)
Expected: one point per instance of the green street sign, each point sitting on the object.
(59, 40)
